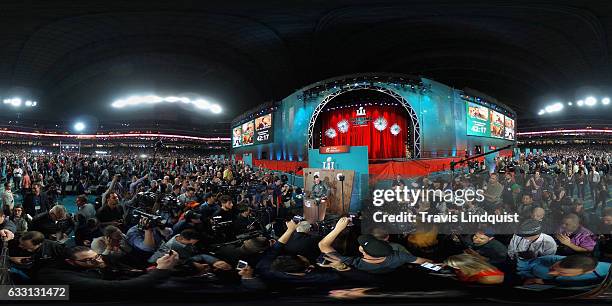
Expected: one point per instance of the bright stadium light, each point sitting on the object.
(554, 108)
(580, 102)
(605, 101)
(541, 112)
(79, 126)
(570, 103)
(590, 101)
(16, 102)
(153, 99)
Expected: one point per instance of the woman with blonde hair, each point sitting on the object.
(472, 269)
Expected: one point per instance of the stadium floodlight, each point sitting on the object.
(605, 101)
(590, 101)
(16, 102)
(79, 126)
(215, 108)
(28, 103)
(580, 102)
(570, 103)
(554, 108)
(541, 112)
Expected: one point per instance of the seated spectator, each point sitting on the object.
(572, 271)
(79, 271)
(472, 269)
(303, 243)
(189, 257)
(21, 221)
(54, 224)
(526, 207)
(486, 247)
(378, 257)
(573, 237)
(113, 243)
(529, 242)
(382, 234)
(291, 270)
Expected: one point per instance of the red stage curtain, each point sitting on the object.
(381, 144)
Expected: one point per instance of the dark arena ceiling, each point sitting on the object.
(76, 57)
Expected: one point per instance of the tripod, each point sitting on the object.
(5, 275)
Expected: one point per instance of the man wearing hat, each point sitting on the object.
(377, 256)
(529, 242)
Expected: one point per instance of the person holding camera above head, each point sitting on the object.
(377, 256)
(190, 257)
(83, 270)
(36, 202)
(55, 224)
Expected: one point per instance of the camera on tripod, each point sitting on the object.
(148, 221)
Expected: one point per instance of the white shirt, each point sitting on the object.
(544, 245)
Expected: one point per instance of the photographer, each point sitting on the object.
(148, 235)
(191, 220)
(55, 224)
(190, 257)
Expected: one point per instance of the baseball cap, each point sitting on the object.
(529, 228)
(374, 247)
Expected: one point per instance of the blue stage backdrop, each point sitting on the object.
(438, 113)
(356, 159)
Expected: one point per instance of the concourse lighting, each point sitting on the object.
(590, 101)
(79, 126)
(152, 99)
(580, 102)
(605, 101)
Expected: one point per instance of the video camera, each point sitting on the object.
(146, 199)
(148, 221)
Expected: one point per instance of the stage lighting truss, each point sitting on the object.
(414, 119)
(380, 124)
(343, 126)
(331, 133)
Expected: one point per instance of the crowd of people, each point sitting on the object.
(215, 221)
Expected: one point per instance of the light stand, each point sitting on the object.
(341, 177)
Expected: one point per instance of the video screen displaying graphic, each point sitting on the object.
(248, 129)
(263, 129)
(237, 137)
(497, 124)
(258, 131)
(477, 120)
(509, 128)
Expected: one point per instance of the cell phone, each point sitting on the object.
(241, 264)
(431, 266)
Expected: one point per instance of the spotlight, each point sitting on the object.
(215, 108)
(605, 101)
(79, 126)
(541, 112)
(590, 101)
(16, 102)
(580, 102)
(28, 103)
(569, 103)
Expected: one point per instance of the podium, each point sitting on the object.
(314, 210)
(333, 203)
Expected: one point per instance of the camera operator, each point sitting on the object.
(147, 236)
(191, 220)
(55, 224)
(36, 202)
(190, 257)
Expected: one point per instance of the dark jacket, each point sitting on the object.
(29, 204)
(9, 225)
